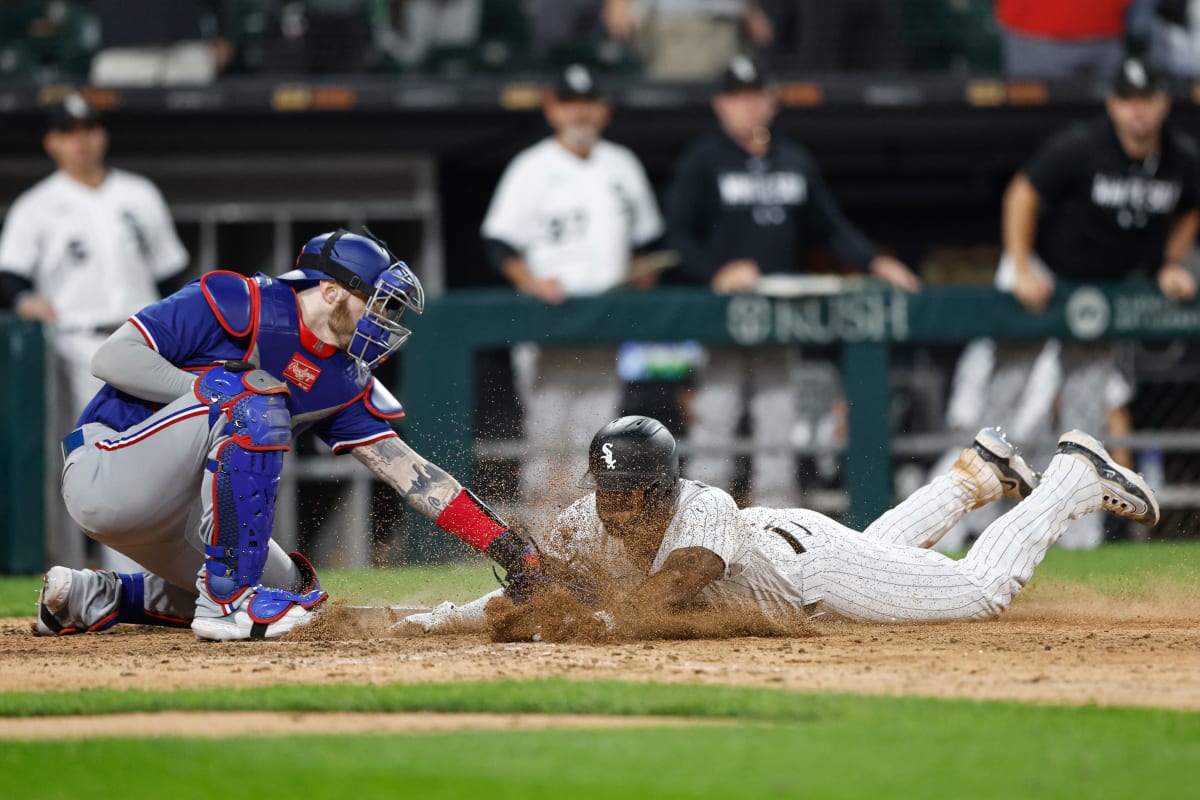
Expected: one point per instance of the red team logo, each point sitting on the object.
(302, 372)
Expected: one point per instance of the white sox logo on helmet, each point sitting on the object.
(609, 460)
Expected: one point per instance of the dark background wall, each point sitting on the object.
(917, 170)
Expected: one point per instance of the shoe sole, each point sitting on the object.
(215, 629)
(998, 451)
(1126, 493)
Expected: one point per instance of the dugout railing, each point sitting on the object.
(437, 382)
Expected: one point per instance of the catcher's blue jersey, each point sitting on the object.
(224, 316)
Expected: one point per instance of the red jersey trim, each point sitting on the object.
(344, 447)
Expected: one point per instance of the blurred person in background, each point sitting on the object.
(686, 40)
(1104, 200)
(744, 204)
(155, 43)
(1062, 39)
(846, 36)
(568, 218)
(1171, 29)
(84, 249)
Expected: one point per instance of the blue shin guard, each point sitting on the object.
(252, 406)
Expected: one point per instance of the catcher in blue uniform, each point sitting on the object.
(176, 460)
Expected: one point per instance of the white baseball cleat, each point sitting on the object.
(1017, 478)
(429, 621)
(1125, 493)
(255, 613)
(52, 600)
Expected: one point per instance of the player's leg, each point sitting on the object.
(88, 601)
(544, 405)
(1092, 387)
(990, 468)
(716, 409)
(774, 398)
(1082, 478)
(869, 579)
(134, 490)
(872, 580)
(251, 430)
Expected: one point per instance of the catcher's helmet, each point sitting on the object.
(363, 264)
(632, 453)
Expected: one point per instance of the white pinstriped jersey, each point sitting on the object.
(759, 565)
(94, 253)
(575, 219)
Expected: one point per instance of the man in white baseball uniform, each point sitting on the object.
(569, 216)
(85, 248)
(679, 541)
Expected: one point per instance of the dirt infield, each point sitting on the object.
(1056, 645)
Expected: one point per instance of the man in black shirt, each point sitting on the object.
(743, 205)
(1105, 199)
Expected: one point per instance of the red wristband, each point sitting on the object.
(468, 519)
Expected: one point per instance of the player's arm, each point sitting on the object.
(127, 362)
(684, 574)
(1022, 201)
(1174, 279)
(513, 267)
(441, 499)
(17, 293)
(20, 255)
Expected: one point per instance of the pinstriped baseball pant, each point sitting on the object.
(885, 574)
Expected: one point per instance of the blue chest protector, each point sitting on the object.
(322, 379)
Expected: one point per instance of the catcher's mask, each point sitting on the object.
(364, 264)
(633, 455)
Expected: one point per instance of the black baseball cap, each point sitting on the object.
(743, 74)
(576, 82)
(71, 113)
(1136, 79)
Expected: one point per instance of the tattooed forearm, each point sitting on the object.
(423, 485)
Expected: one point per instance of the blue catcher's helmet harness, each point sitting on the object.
(378, 333)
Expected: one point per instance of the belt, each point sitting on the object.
(72, 442)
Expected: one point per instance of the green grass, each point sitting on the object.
(784, 744)
(416, 586)
(1125, 568)
(18, 595)
(1118, 569)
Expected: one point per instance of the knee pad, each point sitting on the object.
(246, 468)
(253, 402)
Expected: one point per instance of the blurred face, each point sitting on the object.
(1139, 118)
(577, 123)
(78, 151)
(743, 113)
(619, 510)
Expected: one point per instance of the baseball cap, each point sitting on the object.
(1136, 79)
(576, 82)
(71, 112)
(743, 74)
